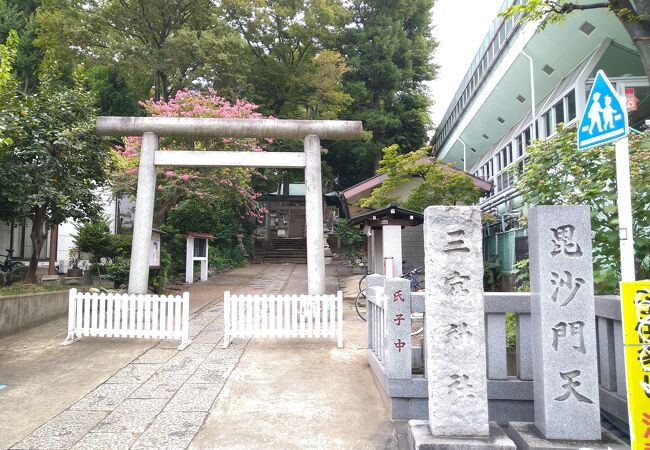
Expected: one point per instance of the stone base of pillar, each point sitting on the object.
(526, 437)
(420, 438)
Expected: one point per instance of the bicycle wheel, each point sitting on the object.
(362, 284)
(417, 318)
(16, 264)
(360, 304)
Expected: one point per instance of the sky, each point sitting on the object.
(459, 35)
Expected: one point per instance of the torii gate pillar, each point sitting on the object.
(314, 217)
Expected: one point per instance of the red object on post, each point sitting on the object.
(389, 267)
(631, 100)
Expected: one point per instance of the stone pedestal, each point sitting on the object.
(52, 280)
(420, 438)
(526, 437)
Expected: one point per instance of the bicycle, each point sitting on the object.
(10, 265)
(360, 299)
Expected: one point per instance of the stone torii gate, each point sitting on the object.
(152, 128)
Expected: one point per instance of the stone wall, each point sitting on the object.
(28, 310)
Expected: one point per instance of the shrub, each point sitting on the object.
(351, 238)
(94, 238)
(491, 274)
(119, 271)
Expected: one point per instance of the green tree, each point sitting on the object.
(167, 44)
(437, 184)
(388, 47)
(293, 74)
(114, 96)
(51, 161)
(556, 173)
(20, 16)
(7, 57)
(633, 15)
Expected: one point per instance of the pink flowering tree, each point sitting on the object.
(207, 186)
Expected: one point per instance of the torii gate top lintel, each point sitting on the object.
(233, 128)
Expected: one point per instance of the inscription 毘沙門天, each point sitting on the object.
(568, 282)
(575, 329)
(456, 243)
(570, 387)
(460, 386)
(563, 241)
(455, 284)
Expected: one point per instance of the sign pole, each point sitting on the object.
(624, 200)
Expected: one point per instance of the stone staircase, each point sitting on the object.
(281, 250)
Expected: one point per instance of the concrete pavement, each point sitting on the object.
(112, 393)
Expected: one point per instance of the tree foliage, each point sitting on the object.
(388, 48)
(51, 161)
(557, 174)
(293, 74)
(167, 44)
(633, 15)
(209, 185)
(19, 16)
(438, 184)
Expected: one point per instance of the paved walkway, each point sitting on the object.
(262, 394)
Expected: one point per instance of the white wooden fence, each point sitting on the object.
(283, 316)
(128, 316)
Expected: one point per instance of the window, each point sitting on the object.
(527, 136)
(509, 153)
(558, 109)
(508, 26)
(521, 139)
(548, 123)
(571, 106)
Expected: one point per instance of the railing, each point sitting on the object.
(128, 316)
(510, 374)
(283, 316)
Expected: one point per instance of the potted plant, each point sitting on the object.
(73, 269)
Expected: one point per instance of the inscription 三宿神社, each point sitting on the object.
(460, 386)
(455, 242)
(455, 332)
(455, 284)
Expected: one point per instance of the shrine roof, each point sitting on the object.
(389, 215)
(199, 235)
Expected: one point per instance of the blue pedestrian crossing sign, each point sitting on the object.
(605, 116)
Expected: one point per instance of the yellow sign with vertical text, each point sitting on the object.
(635, 302)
